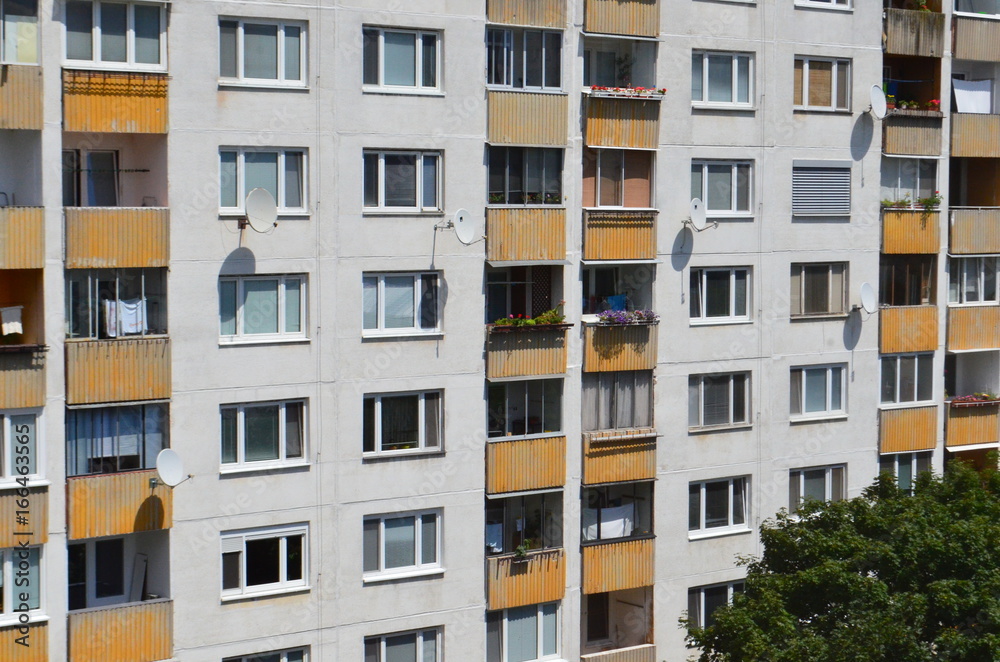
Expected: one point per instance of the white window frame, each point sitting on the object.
(928, 356)
(828, 411)
(540, 632)
(897, 190)
(81, 176)
(735, 183)
(919, 461)
(620, 180)
(734, 81)
(838, 64)
(11, 563)
(4, 38)
(821, 188)
(696, 599)
(536, 409)
(280, 199)
(92, 561)
(241, 78)
(416, 330)
(283, 655)
(737, 485)
(835, 5)
(701, 273)
(508, 48)
(957, 279)
(241, 463)
(423, 444)
(419, 568)
(235, 542)
(418, 77)
(796, 483)
(240, 336)
(12, 447)
(420, 637)
(421, 206)
(130, 64)
(832, 309)
(748, 399)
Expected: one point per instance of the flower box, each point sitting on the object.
(516, 328)
(598, 91)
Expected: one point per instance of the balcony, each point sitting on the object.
(21, 97)
(972, 423)
(637, 18)
(912, 32)
(117, 237)
(630, 122)
(525, 350)
(116, 504)
(973, 327)
(915, 133)
(37, 649)
(911, 231)
(610, 348)
(976, 39)
(619, 455)
(974, 231)
(527, 118)
(114, 102)
(642, 653)
(22, 238)
(135, 632)
(514, 582)
(909, 429)
(614, 566)
(38, 517)
(904, 329)
(536, 13)
(525, 234)
(121, 370)
(525, 464)
(621, 234)
(975, 135)
(22, 379)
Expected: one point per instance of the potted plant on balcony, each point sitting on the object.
(550, 319)
(890, 102)
(627, 92)
(974, 399)
(901, 203)
(931, 202)
(627, 317)
(934, 105)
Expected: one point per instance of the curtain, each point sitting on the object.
(293, 429)
(795, 392)
(400, 180)
(522, 634)
(399, 543)
(432, 419)
(716, 392)
(102, 179)
(20, 31)
(820, 83)
(399, 312)
(260, 51)
(625, 403)
(294, 179)
(399, 422)
(973, 96)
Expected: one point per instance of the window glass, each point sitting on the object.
(147, 34)
(400, 58)
(19, 31)
(79, 25)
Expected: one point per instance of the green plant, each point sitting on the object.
(521, 551)
(931, 201)
(553, 316)
(901, 202)
(496, 198)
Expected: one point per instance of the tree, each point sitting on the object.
(884, 577)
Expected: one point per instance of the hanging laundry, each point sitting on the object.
(973, 96)
(132, 314)
(110, 318)
(10, 320)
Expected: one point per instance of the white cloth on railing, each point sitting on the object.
(133, 316)
(10, 320)
(616, 522)
(494, 538)
(973, 96)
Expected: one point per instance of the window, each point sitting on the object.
(528, 290)
(720, 294)
(19, 446)
(906, 280)
(907, 378)
(262, 308)
(617, 400)
(719, 400)
(614, 512)
(401, 422)
(262, 52)
(617, 287)
(817, 391)
(723, 186)
(722, 78)
(904, 181)
(398, 304)
(90, 178)
(987, 7)
(402, 545)
(905, 467)
(402, 181)
(97, 571)
(401, 59)
(533, 521)
(524, 59)
(617, 178)
(718, 506)
(19, 31)
(20, 584)
(270, 560)
(821, 189)
(525, 176)
(818, 289)
(704, 600)
(292, 655)
(116, 35)
(598, 609)
(619, 62)
(116, 303)
(270, 432)
(817, 483)
(282, 173)
(521, 408)
(106, 440)
(417, 646)
(822, 84)
(972, 280)
(523, 634)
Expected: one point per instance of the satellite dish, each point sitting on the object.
(697, 219)
(466, 228)
(261, 210)
(878, 107)
(169, 467)
(868, 301)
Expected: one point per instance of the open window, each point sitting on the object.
(617, 287)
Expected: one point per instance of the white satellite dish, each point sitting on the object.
(868, 300)
(169, 467)
(261, 210)
(878, 107)
(467, 228)
(696, 218)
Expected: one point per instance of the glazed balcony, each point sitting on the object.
(21, 97)
(525, 234)
(972, 423)
(134, 632)
(514, 582)
(536, 13)
(525, 464)
(975, 135)
(974, 231)
(911, 231)
(642, 653)
(117, 504)
(38, 517)
(117, 237)
(630, 122)
(617, 565)
(637, 18)
(37, 649)
(22, 238)
(620, 234)
(114, 102)
(907, 429)
(912, 133)
(527, 118)
(615, 456)
(610, 348)
(973, 327)
(976, 39)
(520, 351)
(905, 329)
(122, 370)
(912, 32)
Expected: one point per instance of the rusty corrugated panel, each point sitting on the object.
(616, 566)
(22, 238)
(613, 122)
(909, 232)
(117, 370)
(22, 380)
(640, 18)
(37, 649)
(975, 135)
(525, 233)
(969, 424)
(974, 231)
(117, 237)
(511, 582)
(643, 653)
(911, 32)
(21, 97)
(619, 455)
(116, 504)
(619, 235)
(609, 348)
(524, 351)
(912, 136)
(525, 464)
(976, 39)
(905, 329)
(538, 13)
(973, 327)
(527, 118)
(135, 632)
(114, 102)
(38, 518)
(910, 429)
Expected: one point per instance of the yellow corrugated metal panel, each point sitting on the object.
(527, 118)
(975, 135)
(619, 235)
(525, 233)
(511, 582)
(540, 13)
(37, 523)
(622, 123)
(974, 231)
(114, 102)
(976, 39)
(22, 380)
(619, 455)
(909, 232)
(37, 649)
(616, 566)
(911, 32)
(969, 424)
(524, 351)
(913, 136)
(21, 97)
(116, 504)
(117, 370)
(973, 327)
(908, 329)
(643, 653)
(119, 237)
(628, 17)
(22, 238)
(612, 348)
(910, 429)
(135, 632)
(525, 464)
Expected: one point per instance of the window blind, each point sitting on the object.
(821, 191)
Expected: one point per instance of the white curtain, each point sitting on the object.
(973, 96)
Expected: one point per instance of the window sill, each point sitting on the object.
(524, 437)
(14, 619)
(721, 321)
(638, 210)
(974, 304)
(818, 418)
(705, 429)
(822, 110)
(260, 466)
(412, 574)
(5, 63)
(718, 533)
(402, 212)
(731, 107)
(263, 85)
(403, 91)
(500, 205)
(916, 404)
(382, 335)
(986, 17)
(11, 484)
(409, 452)
(132, 337)
(116, 67)
(264, 594)
(224, 342)
(819, 317)
(822, 5)
(231, 214)
(526, 90)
